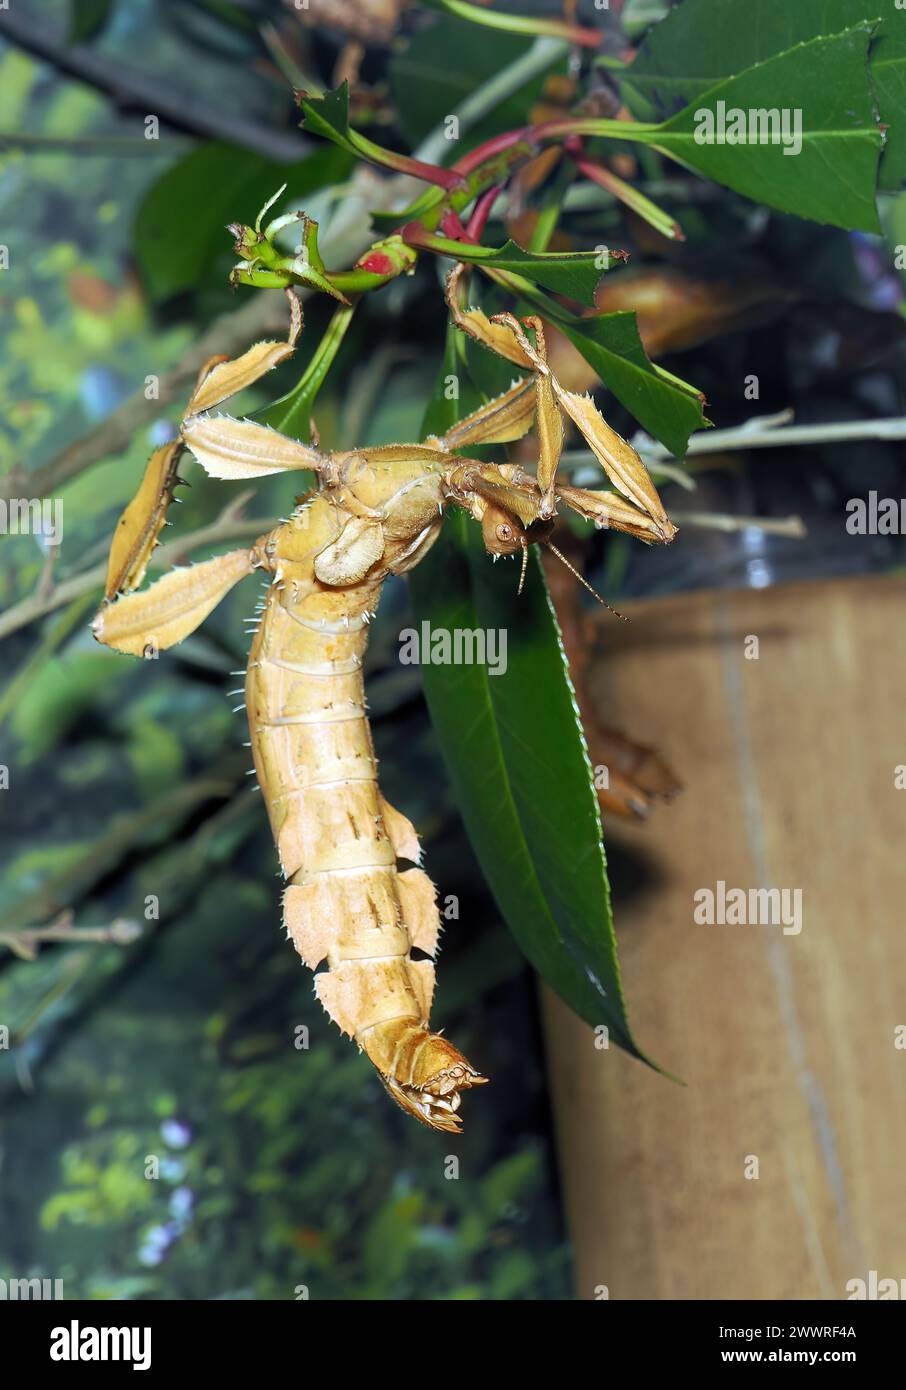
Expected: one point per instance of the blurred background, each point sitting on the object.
(166, 1027)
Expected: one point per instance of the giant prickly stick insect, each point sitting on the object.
(375, 513)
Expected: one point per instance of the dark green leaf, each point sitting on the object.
(518, 761)
(328, 116)
(87, 18)
(667, 408)
(702, 41)
(574, 274)
(665, 405)
(832, 177)
(180, 231)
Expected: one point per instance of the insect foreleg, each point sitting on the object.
(611, 512)
(501, 421)
(619, 460)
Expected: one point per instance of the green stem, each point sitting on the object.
(540, 58)
(520, 23)
(291, 414)
(641, 132)
(550, 210)
(632, 197)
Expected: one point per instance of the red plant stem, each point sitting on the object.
(468, 162)
(482, 211)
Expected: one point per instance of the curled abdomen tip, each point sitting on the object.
(424, 1073)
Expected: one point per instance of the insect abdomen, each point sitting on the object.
(337, 838)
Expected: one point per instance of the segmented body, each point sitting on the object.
(376, 513)
(338, 840)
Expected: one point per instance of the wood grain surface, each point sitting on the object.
(787, 1043)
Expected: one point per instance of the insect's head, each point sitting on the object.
(504, 533)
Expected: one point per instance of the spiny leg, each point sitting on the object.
(147, 622)
(619, 460)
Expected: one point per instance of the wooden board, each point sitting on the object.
(787, 1043)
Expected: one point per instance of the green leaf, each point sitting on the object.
(180, 230)
(888, 73)
(87, 18)
(702, 41)
(328, 116)
(574, 274)
(832, 177)
(669, 409)
(518, 760)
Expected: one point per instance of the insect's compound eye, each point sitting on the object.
(505, 532)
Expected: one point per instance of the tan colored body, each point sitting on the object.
(337, 839)
(354, 916)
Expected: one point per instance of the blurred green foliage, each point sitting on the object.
(162, 1132)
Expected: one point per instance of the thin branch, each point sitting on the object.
(771, 431)
(264, 313)
(104, 145)
(512, 78)
(120, 838)
(25, 942)
(586, 474)
(132, 90)
(792, 526)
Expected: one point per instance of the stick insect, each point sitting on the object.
(375, 512)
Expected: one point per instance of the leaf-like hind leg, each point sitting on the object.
(142, 624)
(138, 529)
(501, 421)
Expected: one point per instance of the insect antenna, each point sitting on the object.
(524, 568)
(584, 582)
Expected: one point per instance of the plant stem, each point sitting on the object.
(291, 414)
(656, 217)
(520, 23)
(542, 55)
(762, 433)
(790, 526)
